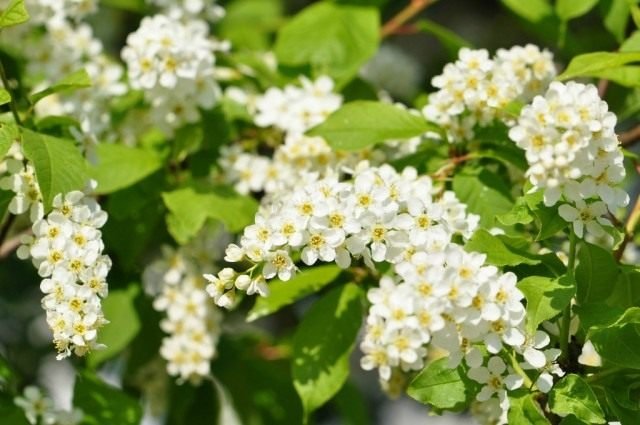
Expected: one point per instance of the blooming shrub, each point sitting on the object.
(220, 204)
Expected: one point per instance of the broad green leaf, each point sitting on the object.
(352, 405)
(615, 15)
(631, 44)
(9, 133)
(590, 64)
(627, 76)
(618, 342)
(262, 16)
(322, 345)
(626, 411)
(190, 208)
(545, 297)
(519, 214)
(499, 251)
(123, 326)
(547, 218)
(569, 9)
(363, 123)
(60, 168)
(282, 294)
(484, 192)
(451, 41)
(443, 387)
(573, 396)
(333, 39)
(76, 80)
(597, 314)
(5, 97)
(596, 274)
(531, 10)
(524, 410)
(10, 413)
(14, 14)
(104, 404)
(626, 290)
(120, 166)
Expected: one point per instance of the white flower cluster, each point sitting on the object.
(474, 89)
(42, 11)
(572, 150)
(66, 248)
(381, 215)
(192, 322)
(206, 9)
(174, 63)
(39, 409)
(295, 109)
(21, 179)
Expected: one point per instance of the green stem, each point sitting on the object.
(605, 373)
(516, 366)
(13, 104)
(566, 315)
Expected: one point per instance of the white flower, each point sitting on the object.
(589, 356)
(493, 377)
(583, 215)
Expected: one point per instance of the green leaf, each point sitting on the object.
(10, 413)
(121, 166)
(596, 274)
(524, 410)
(615, 15)
(261, 16)
(591, 64)
(573, 396)
(9, 133)
(14, 14)
(442, 387)
(191, 206)
(104, 404)
(569, 9)
(123, 326)
(546, 298)
(282, 294)
(625, 410)
(627, 76)
(531, 10)
(60, 168)
(451, 41)
(363, 123)
(76, 80)
(499, 250)
(548, 220)
(631, 44)
(5, 97)
(322, 345)
(352, 405)
(519, 214)
(597, 314)
(626, 291)
(618, 342)
(484, 192)
(333, 39)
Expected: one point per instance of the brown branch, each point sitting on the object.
(630, 137)
(629, 229)
(396, 23)
(603, 85)
(12, 243)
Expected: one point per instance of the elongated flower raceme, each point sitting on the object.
(66, 248)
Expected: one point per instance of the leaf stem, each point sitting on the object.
(395, 23)
(516, 366)
(566, 315)
(7, 86)
(604, 374)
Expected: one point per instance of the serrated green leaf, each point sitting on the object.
(191, 206)
(498, 249)
(121, 166)
(519, 214)
(333, 39)
(322, 345)
(524, 410)
(60, 168)
(485, 194)
(573, 396)
(282, 294)
(569, 9)
(76, 80)
(596, 274)
(618, 342)
(442, 387)
(546, 298)
(104, 404)
(123, 326)
(363, 123)
(591, 64)
(15, 13)
(262, 16)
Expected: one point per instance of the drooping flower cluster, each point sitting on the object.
(296, 109)
(66, 248)
(192, 321)
(39, 409)
(381, 215)
(572, 150)
(42, 11)
(474, 89)
(174, 63)
(187, 9)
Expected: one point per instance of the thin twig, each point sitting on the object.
(630, 137)
(7, 86)
(629, 229)
(12, 243)
(395, 23)
(603, 85)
